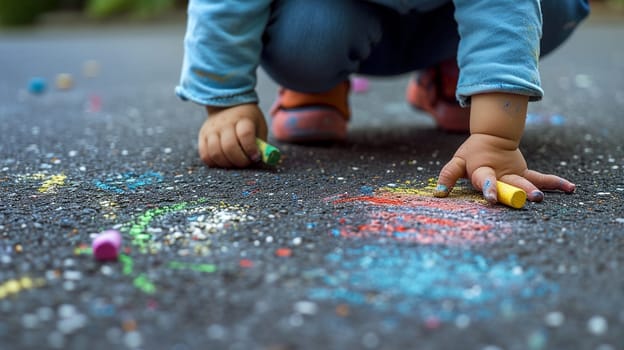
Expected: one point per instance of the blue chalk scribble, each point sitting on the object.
(422, 282)
(127, 182)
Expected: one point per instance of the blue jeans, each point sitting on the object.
(311, 46)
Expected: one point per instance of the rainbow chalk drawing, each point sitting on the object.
(270, 154)
(411, 214)
(410, 254)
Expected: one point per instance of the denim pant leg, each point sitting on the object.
(413, 41)
(311, 46)
(560, 18)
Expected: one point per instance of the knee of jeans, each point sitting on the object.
(312, 46)
(304, 68)
(560, 19)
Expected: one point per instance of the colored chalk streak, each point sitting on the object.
(462, 190)
(421, 282)
(15, 286)
(138, 229)
(143, 283)
(128, 182)
(52, 183)
(423, 220)
(177, 265)
(140, 238)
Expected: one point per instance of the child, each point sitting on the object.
(483, 53)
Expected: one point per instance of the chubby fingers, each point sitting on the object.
(549, 182)
(484, 179)
(229, 147)
(232, 149)
(450, 173)
(246, 134)
(210, 152)
(533, 192)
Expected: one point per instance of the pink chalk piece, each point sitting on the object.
(359, 84)
(95, 104)
(107, 245)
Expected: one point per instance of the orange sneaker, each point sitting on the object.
(433, 91)
(320, 117)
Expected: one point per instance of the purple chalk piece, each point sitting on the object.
(106, 245)
(359, 84)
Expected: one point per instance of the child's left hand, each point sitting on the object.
(491, 152)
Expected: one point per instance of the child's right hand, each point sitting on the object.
(227, 139)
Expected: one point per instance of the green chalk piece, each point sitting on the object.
(270, 154)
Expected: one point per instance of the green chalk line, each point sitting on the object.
(83, 251)
(144, 284)
(126, 264)
(178, 265)
(140, 238)
(137, 230)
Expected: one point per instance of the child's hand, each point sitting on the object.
(485, 158)
(491, 152)
(227, 139)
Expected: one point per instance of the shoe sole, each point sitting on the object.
(308, 125)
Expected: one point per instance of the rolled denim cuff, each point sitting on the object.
(464, 92)
(217, 101)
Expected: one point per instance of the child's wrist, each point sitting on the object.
(495, 142)
(499, 114)
(217, 109)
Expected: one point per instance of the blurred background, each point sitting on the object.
(31, 12)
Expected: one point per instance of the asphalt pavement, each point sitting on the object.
(337, 247)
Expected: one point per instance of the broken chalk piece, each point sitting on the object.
(270, 154)
(64, 81)
(37, 85)
(359, 84)
(107, 245)
(510, 195)
(91, 69)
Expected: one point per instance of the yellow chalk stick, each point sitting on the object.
(64, 81)
(270, 154)
(510, 195)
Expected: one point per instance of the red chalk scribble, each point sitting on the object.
(246, 263)
(415, 201)
(283, 252)
(422, 220)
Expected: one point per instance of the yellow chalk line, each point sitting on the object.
(14, 286)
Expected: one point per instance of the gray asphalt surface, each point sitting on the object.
(338, 247)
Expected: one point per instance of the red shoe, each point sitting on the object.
(433, 91)
(320, 117)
